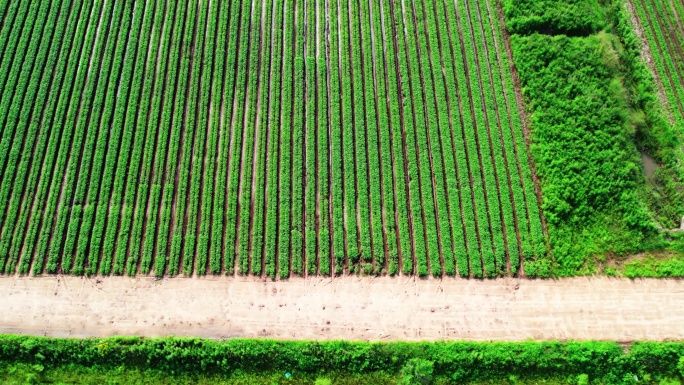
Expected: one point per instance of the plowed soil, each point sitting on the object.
(345, 308)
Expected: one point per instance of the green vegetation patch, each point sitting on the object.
(307, 361)
(572, 17)
(593, 113)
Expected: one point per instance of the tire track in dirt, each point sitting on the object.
(347, 308)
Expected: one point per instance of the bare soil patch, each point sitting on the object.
(345, 308)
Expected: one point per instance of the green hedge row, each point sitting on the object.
(606, 362)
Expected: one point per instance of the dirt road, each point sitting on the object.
(345, 308)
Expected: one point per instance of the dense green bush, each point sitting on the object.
(582, 143)
(571, 17)
(593, 108)
(606, 362)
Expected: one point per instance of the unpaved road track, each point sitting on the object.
(345, 308)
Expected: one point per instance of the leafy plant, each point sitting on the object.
(417, 372)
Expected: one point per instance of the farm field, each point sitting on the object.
(660, 26)
(270, 138)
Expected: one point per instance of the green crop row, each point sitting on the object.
(282, 138)
(396, 116)
(144, 147)
(336, 143)
(39, 177)
(62, 149)
(664, 55)
(409, 89)
(32, 95)
(384, 139)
